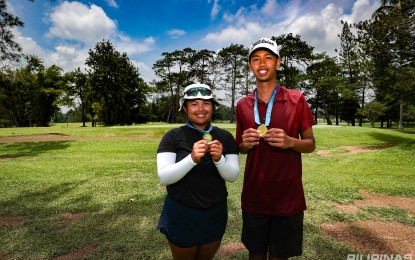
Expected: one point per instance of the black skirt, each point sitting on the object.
(188, 227)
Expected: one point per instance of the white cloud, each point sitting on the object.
(240, 17)
(176, 33)
(319, 27)
(69, 57)
(112, 3)
(28, 45)
(215, 10)
(270, 8)
(131, 47)
(78, 28)
(146, 72)
(361, 9)
(319, 30)
(231, 33)
(76, 21)
(149, 40)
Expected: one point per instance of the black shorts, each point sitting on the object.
(281, 236)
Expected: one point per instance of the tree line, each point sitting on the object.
(372, 78)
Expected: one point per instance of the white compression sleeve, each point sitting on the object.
(228, 167)
(171, 172)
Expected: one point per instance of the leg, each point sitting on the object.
(203, 252)
(264, 257)
(207, 251)
(183, 253)
(276, 258)
(286, 237)
(257, 257)
(255, 230)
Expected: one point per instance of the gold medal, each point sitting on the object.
(262, 129)
(207, 137)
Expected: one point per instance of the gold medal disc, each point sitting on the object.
(207, 137)
(262, 129)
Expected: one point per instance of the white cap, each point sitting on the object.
(197, 91)
(264, 43)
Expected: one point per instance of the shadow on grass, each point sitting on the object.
(129, 228)
(40, 203)
(14, 150)
(125, 229)
(406, 143)
(318, 246)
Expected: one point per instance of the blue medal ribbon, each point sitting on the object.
(190, 125)
(269, 107)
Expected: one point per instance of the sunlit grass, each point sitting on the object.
(113, 186)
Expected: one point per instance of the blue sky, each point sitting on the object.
(62, 32)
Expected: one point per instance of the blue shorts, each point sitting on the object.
(281, 236)
(188, 227)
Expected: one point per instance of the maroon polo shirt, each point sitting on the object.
(273, 176)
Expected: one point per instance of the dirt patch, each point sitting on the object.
(5, 157)
(349, 150)
(229, 249)
(11, 220)
(71, 217)
(375, 237)
(378, 200)
(79, 253)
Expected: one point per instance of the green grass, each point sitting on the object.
(113, 186)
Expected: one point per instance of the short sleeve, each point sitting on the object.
(167, 143)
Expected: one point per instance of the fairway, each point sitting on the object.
(72, 192)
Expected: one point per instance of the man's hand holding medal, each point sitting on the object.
(275, 137)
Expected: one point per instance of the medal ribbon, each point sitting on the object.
(190, 125)
(269, 107)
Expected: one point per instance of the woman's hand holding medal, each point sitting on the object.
(200, 148)
(215, 150)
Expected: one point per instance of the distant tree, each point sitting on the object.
(234, 61)
(296, 56)
(9, 49)
(117, 89)
(324, 77)
(349, 62)
(391, 47)
(174, 73)
(8, 99)
(373, 111)
(223, 113)
(164, 69)
(79, 89)
(31, 94)
(199, 63)
(52, 84)
(215, 71)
